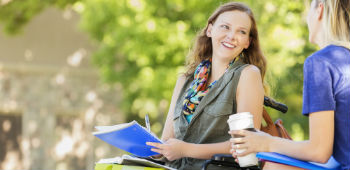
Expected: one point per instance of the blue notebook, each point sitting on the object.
(332, 164)
(130, 137)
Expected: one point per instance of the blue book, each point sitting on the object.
(332, 164)
(130, 137)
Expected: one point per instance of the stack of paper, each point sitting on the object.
(130, 160)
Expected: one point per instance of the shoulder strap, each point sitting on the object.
(270, 127)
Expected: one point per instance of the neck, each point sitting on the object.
(218, 68)
(321, 42)
(321, 38)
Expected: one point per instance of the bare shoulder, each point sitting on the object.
(250, 78)
(251, 70)
(181, 80)
(180, 83)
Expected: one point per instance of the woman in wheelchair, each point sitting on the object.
(326, 93)
(225, 75)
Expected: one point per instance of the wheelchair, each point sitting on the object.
(227, 160)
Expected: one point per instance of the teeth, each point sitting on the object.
(228, 45)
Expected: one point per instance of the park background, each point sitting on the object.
(68, 65)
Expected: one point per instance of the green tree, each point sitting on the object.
(142, 45)
(15, 14)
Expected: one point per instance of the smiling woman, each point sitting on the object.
(225, 73)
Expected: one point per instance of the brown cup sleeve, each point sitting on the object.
(249, 129)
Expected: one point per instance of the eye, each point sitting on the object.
(243, 32)
(225, 27)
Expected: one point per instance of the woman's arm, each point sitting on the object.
(317, 149)
(174, 149)
(168, 130)
(320, 145)
(250, 94)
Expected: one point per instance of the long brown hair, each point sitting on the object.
(202, 48)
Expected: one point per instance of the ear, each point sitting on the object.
(209, 29)
(320, 8)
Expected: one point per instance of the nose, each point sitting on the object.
(231, 35)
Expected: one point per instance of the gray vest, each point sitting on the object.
(208, 124)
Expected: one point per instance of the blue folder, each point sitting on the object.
(130, 137)
(332, 164)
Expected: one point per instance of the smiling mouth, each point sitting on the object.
(228, 45)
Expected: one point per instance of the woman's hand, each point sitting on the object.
(233, 152)
(250, 142)
(172, 149)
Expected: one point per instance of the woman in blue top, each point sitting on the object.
(326, 95)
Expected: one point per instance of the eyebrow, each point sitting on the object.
(241, 27)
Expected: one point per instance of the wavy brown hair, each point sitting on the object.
(202, 48)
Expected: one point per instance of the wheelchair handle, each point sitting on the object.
(275, 105)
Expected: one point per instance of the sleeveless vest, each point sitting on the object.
(209, 121)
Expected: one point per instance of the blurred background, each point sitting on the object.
(68, 65)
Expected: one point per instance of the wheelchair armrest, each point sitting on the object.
(227, 161)
(224, 157)
(221, 160)
(275, 105)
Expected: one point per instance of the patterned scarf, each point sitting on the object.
(198, 88)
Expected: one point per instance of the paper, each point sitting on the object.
(130, 160)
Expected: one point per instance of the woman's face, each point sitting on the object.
(229, 34)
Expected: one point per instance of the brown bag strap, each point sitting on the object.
(282, 131)
(270, 127)
(274, 129)
(267, 117)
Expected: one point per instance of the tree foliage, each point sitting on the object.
(15, 14)
(142, 45)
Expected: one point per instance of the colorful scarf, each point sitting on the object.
(198, 88)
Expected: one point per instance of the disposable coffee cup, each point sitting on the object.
(238, 121)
